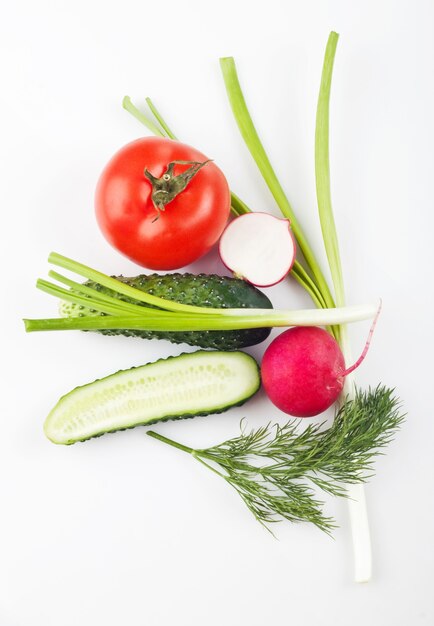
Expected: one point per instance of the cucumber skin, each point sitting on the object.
(166, 418)
(207, 290)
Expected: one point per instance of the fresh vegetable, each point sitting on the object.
(258, 248)
(303, 370)
(276, 468)
(162, 203)
(201, 290)
(178, 387)
(169, 315)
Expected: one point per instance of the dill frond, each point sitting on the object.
(277, 469)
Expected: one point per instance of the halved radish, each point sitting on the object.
(259, 248)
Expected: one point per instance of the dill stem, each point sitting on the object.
(170, 442)
(197, 454)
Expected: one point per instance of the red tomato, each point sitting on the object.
(178, 232)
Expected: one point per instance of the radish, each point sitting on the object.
(259, 248)
(303, 370)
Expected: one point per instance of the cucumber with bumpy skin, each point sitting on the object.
(184, 386)
(199, 290)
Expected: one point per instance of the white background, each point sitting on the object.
(121, 529)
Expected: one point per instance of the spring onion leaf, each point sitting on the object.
(90, 292)
(76, 298)
(322, 172)
(160, 119)
(108, 281)
(357, 502)
(141, 117)
(253, 142)
(303, 278)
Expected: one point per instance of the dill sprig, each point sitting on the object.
(276, 469)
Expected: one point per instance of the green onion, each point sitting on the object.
(88, 291)
(253, 142)
(159, 119)
(126, 290)
(356, 497)
(322, 172)
(153, 313)
(303, 278)
(70, 296)
(129, 106)
(231, 319)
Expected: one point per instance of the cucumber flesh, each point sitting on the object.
(178, 387)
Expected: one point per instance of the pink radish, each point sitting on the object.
(303, 370)
(259, 248)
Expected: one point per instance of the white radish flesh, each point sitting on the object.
(259, 248)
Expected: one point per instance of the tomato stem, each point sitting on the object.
(168, 186)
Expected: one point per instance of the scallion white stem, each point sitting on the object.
(357, 508)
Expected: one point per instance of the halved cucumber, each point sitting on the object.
(178, 387)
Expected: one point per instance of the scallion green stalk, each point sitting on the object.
(141, 117)
(76, 298)
(253, 143)
(322, 172)
(159, 119)
(79, 288)
(124, 289)
(356, 497)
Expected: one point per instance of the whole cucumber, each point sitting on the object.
(199, 290)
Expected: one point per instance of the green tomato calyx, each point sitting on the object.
(169, 185)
